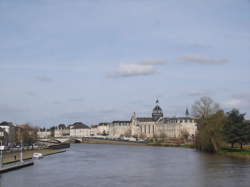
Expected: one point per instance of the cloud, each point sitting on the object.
(44, 79)
(130, 70)
(233, 103)
(30, 93)
(77, 99)
(153, 62)
(240, 101)
(141, 68)
(202, 59)
(198, 93)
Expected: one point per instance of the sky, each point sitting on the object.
(94, 61)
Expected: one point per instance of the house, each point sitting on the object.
(10, 129)
(79, 129)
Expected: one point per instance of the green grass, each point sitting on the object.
(171, 145)
(236, 153)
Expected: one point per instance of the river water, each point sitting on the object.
(120, 165)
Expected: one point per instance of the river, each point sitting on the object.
(93, 165)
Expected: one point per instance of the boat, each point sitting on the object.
(37, 155)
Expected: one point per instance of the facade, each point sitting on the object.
(79, 129)
(139, 127)
(44, 133)
(3, 137)
(120, 128)
(61, 131)
(10, 130)
(155, 126)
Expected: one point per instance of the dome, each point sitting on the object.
(157, 112)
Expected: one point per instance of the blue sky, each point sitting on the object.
(63, 61)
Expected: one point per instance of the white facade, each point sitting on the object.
(74, 132)
(10, 129)
(61, 132)
(155, 126)
(44, 134)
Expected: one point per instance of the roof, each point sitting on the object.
(5, 123)
(145, 119)
(79, 125)
(121, 122)
(62, 126)
(177, 118)
(103, 124)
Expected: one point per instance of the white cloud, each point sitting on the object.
(202, 59)
(128, 70)
(153, 62)
(198, 93)
(233, 103)
(140, 68)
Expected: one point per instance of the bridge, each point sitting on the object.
(62, 140)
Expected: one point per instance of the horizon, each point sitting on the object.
(96, 61)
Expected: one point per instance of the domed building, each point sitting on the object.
(157, 112)
(157, 125)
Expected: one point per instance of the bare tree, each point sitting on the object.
(204, 107)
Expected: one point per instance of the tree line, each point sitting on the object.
(216, 128)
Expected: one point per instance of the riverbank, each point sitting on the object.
(236, 153)
(15, 157)
(112, 142)
(116, 142)
(171, 145)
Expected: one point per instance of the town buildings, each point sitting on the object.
(139, 127)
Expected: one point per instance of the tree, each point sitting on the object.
(236, 129)
(28, 134)
(204, 107)
(210, 136)
(210, 122)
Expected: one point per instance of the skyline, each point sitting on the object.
(94, 61)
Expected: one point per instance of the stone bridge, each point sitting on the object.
(62, 140)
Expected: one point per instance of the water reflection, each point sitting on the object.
(114, 165)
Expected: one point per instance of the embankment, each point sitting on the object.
(15, 157)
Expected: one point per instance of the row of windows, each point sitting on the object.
(181, 121)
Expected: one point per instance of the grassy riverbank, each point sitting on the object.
(113, 142)
(171, 145)
(10, 158)
(236, 153)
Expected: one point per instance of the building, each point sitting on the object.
(10, 129)
(155, 126)
(61, 131)
(3, 137)
(44, 133)
(79, 129)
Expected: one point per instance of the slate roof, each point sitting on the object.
(5, 123)
(145, 119)
(121, 122)
(79, 125)
(103, 124)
